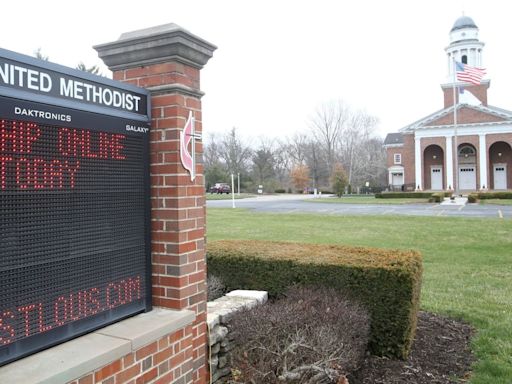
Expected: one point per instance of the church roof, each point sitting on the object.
(496, 116)
(463, 22)
(394, 139)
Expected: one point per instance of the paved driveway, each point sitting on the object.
(303, 204)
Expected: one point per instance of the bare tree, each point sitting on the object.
(297, 148)
(39, 54)
(353, 142)
(215, 169)
(211, 150)
(282, 164)
(234, 152)
(317, 163)
(372, 163)
(95, 70)
(327, 126)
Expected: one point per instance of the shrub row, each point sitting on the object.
(493, 195)
(403, 195)
(386, 282)
(438, 197)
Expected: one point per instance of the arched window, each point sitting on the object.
(464, 59)
(467, 151)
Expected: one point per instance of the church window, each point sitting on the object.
(467, 150)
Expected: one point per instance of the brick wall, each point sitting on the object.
(167, 360)
(390, 155)
(480, 92)
(167, 61)
(466, 116)
(178, 204)
(408, 159)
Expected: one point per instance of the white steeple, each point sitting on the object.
(464, 45)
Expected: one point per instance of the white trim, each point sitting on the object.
(397, 156)
(393, 145)
(421, 124)
(449, 163)
(462, 130)
(418, 164)
(395, 169)
(482, 155)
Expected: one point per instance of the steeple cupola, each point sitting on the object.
(465, 47)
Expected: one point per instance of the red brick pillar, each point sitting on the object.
(167, 61)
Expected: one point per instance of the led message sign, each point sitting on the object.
(74, 204)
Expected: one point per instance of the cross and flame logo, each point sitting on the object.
(188, 136)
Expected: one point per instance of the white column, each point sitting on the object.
(482, 153)
(417, 163)
(449, 163)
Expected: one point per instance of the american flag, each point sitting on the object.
(468, 73)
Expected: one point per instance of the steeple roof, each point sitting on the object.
(463, 22)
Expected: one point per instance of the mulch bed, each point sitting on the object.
(440, 355)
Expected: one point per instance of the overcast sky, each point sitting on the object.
(277, 60)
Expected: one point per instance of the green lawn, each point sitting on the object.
(468, 265)
(496, 201)
(224, 196)
(367, 200)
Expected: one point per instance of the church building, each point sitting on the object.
(470, 145)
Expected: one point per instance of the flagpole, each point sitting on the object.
(455, 104)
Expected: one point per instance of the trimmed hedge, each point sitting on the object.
(403, 195)
(436, 196)
(472, 198)
(386, 282)
(494, 195)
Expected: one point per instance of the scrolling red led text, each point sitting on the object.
(33, 318)
(23, 167)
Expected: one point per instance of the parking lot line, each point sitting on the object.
(440, 213)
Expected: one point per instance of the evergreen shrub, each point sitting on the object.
(494, 195)
(403, 195)
(386, 282)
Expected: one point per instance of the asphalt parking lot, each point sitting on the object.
(303, 204)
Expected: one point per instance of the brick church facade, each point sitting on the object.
(422, 155)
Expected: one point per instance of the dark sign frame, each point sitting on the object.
(76, 100)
